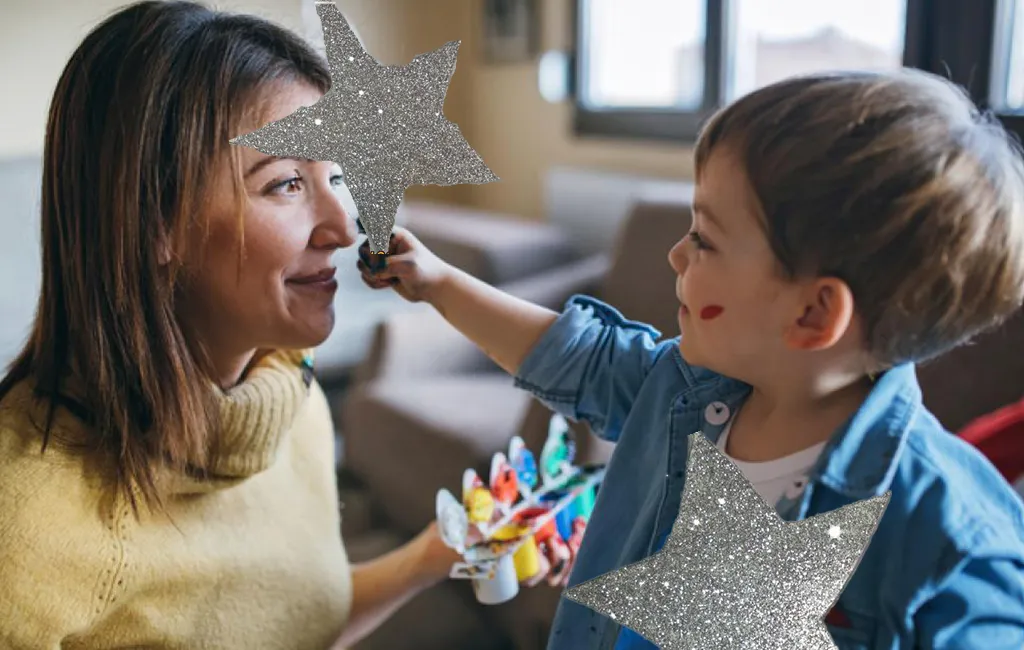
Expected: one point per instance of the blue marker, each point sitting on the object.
(564, 518)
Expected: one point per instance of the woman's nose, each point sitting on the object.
(335, 228)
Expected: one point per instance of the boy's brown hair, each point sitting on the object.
(894, 183)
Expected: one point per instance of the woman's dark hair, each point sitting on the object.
(139, 122)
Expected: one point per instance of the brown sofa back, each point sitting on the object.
(640, 282)
(977, 378)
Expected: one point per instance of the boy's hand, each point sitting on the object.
(412, 270)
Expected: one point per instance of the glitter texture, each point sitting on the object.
(383, 125)
(732, 574)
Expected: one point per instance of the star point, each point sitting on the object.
(744, 578)
(384, 125)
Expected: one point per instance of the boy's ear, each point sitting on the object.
(826, 313)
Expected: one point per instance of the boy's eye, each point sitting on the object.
(698, 241)
(337, 180)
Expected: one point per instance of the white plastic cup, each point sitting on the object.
(502, 587)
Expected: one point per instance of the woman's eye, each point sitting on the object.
(294, 185)
(287, 186)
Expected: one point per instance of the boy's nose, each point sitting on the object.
(677, 257)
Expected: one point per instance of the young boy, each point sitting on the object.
(845, 227)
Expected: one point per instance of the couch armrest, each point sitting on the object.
(421, 343)
(493, 247)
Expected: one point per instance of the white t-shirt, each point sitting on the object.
(774, 479)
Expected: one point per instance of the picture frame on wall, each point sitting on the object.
(511, 31)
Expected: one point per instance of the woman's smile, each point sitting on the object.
(320, 283)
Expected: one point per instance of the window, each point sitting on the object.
(778, 39)
(659, 68)
(1008, 58)
(644, 54)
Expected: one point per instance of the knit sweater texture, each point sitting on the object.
(250, 559)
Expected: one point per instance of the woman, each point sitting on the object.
(185, 494)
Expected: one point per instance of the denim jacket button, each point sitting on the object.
(717, 413)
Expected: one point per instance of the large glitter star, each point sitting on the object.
(732, 574)
(384, 125)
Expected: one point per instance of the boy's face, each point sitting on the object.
(735, 305)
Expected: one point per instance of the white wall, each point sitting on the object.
(36, 39)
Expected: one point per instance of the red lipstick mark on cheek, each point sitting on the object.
(711, 312)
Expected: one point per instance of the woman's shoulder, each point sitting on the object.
(56, 535)
(43, 482)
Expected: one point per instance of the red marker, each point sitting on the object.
(711, 312)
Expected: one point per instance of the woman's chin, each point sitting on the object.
(312, 332)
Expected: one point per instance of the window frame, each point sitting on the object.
(951, 38)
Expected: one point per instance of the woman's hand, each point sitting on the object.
(412, 270)
(383, 585)
(434, 558)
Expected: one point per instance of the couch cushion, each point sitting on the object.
(527, 618)
(357, 511)
(442, 618)
(405, 439)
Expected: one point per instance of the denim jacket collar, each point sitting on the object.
(861, 457)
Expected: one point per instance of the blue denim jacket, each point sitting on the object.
(945, 568)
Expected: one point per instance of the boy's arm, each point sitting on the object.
(981, 607)
(591, 365)
(587, 363)
(506, 328)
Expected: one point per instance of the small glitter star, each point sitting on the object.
(746, 579)
(414, 144)
(834, 532)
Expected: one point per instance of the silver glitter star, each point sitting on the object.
(732, 574)
(384, 125)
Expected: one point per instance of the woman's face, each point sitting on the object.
(281, 294)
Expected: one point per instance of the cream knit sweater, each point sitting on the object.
(251, 561)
